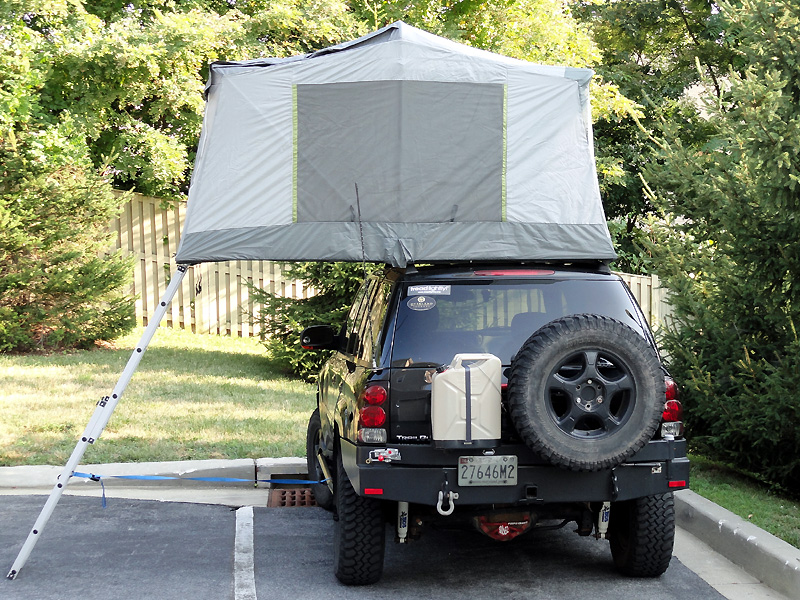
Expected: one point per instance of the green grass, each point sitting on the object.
(747, 498)
(192, 397)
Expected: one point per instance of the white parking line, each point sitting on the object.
(244, 578)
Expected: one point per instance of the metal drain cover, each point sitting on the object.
(285, 497)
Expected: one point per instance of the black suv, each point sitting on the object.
(577, 421)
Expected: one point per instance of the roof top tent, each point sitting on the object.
(398, 147)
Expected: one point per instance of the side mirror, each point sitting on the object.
(319, 337)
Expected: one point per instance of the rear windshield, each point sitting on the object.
(437, 321)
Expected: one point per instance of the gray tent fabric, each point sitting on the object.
(398, 147)
(423, 156)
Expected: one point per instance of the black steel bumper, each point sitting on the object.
(422, 473)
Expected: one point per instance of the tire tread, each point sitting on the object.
(650, 532)
(360, 534)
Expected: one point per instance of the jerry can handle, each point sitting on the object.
(459, 358)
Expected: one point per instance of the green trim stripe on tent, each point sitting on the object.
(505, 153)
(294, 154)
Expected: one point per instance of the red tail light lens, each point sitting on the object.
(373, 416)
(672, 389)
(672, 417)
(374, 395)
(673, 411)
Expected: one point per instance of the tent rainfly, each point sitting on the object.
(397, 147)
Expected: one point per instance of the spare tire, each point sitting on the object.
(586, 392)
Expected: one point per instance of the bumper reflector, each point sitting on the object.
(373, 491)
(677, 484)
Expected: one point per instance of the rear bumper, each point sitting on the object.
(660, 467)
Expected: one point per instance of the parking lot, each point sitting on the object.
(165, 550)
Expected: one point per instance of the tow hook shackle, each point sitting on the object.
(451, 505)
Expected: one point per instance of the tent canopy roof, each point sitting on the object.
(396, 147)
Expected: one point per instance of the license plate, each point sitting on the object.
(487, 470)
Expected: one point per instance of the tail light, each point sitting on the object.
(372, 415)
(672, 388)
(672, 416)
(375, 395)
(673, 411)
(515, 272)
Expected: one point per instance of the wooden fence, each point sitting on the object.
(650, 295)
(215, 298)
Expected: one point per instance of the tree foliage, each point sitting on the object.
(98, 94)
(130, 76)
(281, 319)
(649, 50)
(58, 286)
(731, 202)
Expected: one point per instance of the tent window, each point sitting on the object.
(420, 151)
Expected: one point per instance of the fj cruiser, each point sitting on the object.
(511, 397)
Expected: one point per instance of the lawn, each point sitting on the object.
(192, 397)
(747, 498)
(202, 396)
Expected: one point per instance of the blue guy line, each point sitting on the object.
(95, 477)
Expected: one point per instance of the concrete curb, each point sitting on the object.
(252, 471)
(764, 556)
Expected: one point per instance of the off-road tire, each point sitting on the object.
(642, 533)
(322, 493)
(586, 392)
(359, 539)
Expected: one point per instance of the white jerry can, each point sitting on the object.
(465, 402)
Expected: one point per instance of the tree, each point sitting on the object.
(731, 206)
(102, 93)
(58, 285)
(649, 49)
(282, 319)
(130, 76)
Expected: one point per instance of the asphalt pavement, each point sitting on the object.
(187, 539)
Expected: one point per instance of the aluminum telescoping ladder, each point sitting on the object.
(102, 413)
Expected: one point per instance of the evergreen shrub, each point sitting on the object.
(728, 252)
(282, 319)
(60, 286)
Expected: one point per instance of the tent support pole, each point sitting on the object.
(98, 422)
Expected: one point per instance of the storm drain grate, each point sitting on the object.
(285, 497)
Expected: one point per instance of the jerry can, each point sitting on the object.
(465, 402)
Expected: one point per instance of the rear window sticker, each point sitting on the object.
(421, 303)
(429, 290)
